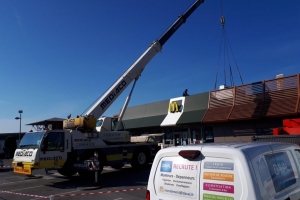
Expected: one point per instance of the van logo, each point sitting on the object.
(175, 106)
(166, 166)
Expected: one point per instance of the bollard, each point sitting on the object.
(51, 197)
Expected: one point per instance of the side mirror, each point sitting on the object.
(43, 147)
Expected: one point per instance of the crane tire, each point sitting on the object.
(140, 159)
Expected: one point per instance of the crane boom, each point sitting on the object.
(134, 71)
(120, 85)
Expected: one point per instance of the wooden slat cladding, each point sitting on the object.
(221, 98)
(217, 114)
(220, 105)
(248, 101)
(280, 96)
(269, 98)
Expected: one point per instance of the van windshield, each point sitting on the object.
(31, 140)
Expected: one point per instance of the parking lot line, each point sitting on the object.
(26, 188)
(18, 182)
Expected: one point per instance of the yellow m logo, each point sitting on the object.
(174, 107)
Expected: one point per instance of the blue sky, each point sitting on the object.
(57, 57)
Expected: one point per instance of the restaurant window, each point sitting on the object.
(168, 136)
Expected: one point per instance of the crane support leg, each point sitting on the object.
(125, 105)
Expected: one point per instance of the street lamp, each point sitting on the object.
(20, 118)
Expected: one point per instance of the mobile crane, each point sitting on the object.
(68, 150)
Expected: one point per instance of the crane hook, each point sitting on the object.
(222, 19)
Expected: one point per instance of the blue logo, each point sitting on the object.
(166, 166)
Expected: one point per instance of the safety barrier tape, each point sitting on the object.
(6, 167)
(30, 195)
(78, 194)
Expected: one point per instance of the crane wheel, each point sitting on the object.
(140, 159)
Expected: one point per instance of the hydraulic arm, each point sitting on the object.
(132, 73)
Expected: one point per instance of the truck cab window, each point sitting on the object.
(55, 141)
(99, 123)
(114, 122)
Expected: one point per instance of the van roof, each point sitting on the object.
(233, 145)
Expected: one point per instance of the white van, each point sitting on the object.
(226, 171)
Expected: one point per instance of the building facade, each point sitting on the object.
(231, 114)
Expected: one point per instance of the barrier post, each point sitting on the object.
(51, 197)
(96, 167)
(96, 177)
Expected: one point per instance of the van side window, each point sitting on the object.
(281, 170)
(297, 152)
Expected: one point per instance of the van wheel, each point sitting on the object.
(117, 166)
(140, 159)
(67, 172)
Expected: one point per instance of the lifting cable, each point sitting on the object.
(226, 43)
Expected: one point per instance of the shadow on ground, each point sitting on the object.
(5, 169)
(125, 177)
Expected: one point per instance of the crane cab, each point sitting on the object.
(108, 124)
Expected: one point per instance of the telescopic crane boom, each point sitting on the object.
(134, 71)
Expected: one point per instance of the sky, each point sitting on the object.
(58, 57)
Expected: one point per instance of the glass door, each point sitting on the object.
(177, 138)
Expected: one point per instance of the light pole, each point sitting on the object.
(20, 118)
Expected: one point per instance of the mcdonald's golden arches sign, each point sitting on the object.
(175, 106)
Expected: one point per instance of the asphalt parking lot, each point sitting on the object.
(123, 184)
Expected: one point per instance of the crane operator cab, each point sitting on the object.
(108, 124)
